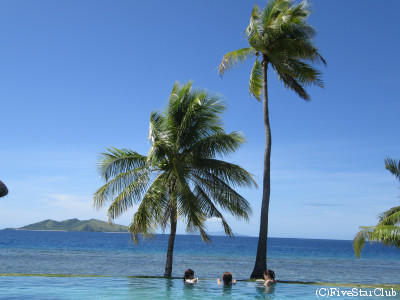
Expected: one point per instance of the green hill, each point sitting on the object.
(76, 225)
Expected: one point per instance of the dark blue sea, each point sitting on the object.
(114, 255)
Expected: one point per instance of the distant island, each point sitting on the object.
(92, 225)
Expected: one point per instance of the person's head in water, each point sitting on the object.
(269, 275)
(227, 278)
(189, 274)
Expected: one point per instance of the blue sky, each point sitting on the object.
(79, 76)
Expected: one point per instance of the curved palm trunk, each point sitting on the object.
(261, 258)
(171, 242)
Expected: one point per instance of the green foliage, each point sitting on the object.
(280, 35)
(183, 176)
(386, 231)
(256, 80)
(393, 167)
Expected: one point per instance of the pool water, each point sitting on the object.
(38, 287)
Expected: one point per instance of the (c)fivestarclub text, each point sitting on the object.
(354, 292)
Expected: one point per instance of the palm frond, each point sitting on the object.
(305, 73)
(129, 196)
(123, 184)
(190, 209)
(254, 29)
(291, 83)
(216, 145)
(298, 48)
(150, 211)
(393, 166)
(294, 72)
(274, 10)
(390, 217)
(200, 118)
(255, 21)
(165, 218)
(286, 13)
(155, 128)
(271, 10)
(226, 197)
(117, 161)
(299, 12)
(229, 173)
(388, 235)
(386, 231)
(124, 200)
(256, 80)
(211, 209)
(233, 58)
(203, 234)
(359, 240)
(277, 16)
(158, 139)
(142, 222)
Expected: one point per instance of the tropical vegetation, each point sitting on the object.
(280, 38)
(183, 177)
(387, 230)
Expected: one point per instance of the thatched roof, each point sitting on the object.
(3, 189)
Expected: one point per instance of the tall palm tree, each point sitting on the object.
(3, 189)
(386, 231)
(183, 176)
(279, 37)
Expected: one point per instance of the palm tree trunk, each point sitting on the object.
(261, 258)
(171, 242)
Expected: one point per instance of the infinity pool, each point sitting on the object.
(38, 287)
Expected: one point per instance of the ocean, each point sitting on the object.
(114, 255)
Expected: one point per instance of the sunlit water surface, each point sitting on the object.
(88, 253)
(54, 288)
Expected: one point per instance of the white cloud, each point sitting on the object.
(214, 220)
(69, 202)
(66, 206)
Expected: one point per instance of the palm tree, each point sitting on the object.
(386, 231)
(182, 177)
(3, 189)
(279, 37)
(393, 167)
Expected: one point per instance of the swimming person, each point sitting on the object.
(269, 277)
(226, 279)
(189, 277)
